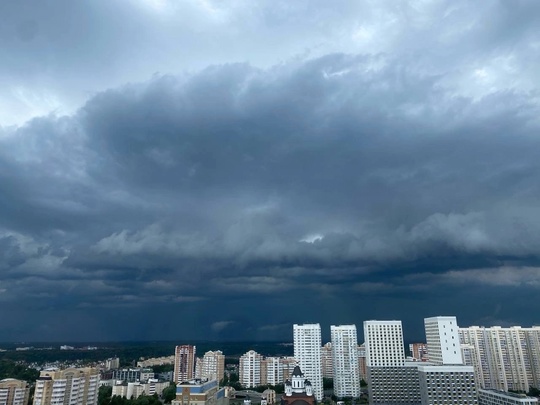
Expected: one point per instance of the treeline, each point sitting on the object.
(130, 352)
(11, 369)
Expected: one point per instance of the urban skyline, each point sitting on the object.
(220, 170)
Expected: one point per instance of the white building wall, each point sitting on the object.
(307, 350)
(250, 369)
(345, 361)
(442, 340)
(383, 341)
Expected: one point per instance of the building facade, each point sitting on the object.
(504, 358)
(493, 397)
(213, 365)
(184, 363)
(250, 369)
(197, 392)
(442, 340)
(13, 392)
(72, 386)
(307, 351)
(345, 361)
(326, 361)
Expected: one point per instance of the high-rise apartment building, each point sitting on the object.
(13, 392)
(213, 365)
(390, 380)
(184, 363)
(307, 350)
(394, 381)
(250, 369)
(383, 341)
(442, 340)
(504, 358)
(72, 386)
(345, 361)
(326, 361)
(272, 371)
(362, 362)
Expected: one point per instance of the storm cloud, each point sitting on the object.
(382, 163)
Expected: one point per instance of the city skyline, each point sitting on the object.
(212, 170)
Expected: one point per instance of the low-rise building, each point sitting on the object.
(136, 389)
(494, 397)
(198, 392)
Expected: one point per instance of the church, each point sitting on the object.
(298, 390)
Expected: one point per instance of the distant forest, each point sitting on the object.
(130, 352)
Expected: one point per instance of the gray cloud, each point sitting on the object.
(361, 172)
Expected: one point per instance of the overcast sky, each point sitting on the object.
(203, 169)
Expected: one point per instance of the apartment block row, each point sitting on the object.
(503, 358)
(188, 367)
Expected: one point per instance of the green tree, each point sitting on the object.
(169, 393)
(104, 395)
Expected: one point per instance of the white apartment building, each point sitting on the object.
(493, 397)
(345, 361)
(307, 350)
(383, 341)
(390, 379)
(72, 386)
(250, 369)
(213, 365)
(442, 340)
(326, 361)
(440, 384)
(13, 392)
(504, 358)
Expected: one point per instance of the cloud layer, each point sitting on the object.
(387, 170)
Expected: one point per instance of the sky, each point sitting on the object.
(221, 170)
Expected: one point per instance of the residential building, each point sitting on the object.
(345, 361)
(184, 363)
(288, 364)
(394, 381)
(418, 351)
(112, 363)
(453, 384)
(362, 362)
(504, 358)
(442, 340)
(13, 392)
(132, 374)
(307, 351)
(494, 397)
(326, 361)
(72, 386)
(272, 371)
(250, 369)
(390, 379)
(213, 365)
(156, 361)
(197, 392)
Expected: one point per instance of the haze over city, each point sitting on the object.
(221, 170)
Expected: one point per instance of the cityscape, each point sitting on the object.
(269, 202)
(454, 365)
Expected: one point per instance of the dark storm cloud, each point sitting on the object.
(366, 183)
